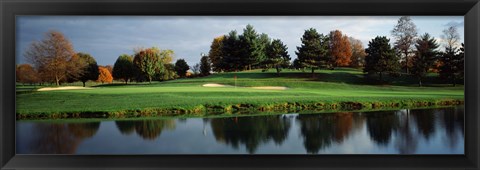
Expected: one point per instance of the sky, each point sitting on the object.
(107, 37)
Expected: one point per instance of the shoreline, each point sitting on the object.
(244, 109)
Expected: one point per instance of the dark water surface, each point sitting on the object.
(422, 131)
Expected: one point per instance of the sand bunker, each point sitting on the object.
(214, 85)
(270, 88)
(64, 88)
(259, 87)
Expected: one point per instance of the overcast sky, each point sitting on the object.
(107, 37)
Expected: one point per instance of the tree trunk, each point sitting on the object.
(83, 83)
(420, 82)
(126, 81)
(57, 80)
(406, 61)
(149, 79)
(278, 70)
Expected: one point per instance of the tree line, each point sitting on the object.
(53, 60)
(416, 55)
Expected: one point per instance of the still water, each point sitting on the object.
(420, 131)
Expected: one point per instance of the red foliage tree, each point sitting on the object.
(340, 49)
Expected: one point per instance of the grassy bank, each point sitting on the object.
(341, 89)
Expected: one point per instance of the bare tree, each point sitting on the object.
(195, 69)
(451, 37)
(52, 57)
(404, 32)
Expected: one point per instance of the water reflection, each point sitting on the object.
(453, 121)
(381, 125)
(147, 129)
(251, 131)
(60, 138)
(398, 132)
(425, 121)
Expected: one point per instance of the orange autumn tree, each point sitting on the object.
(27, 74)
(105, 75)
(340, 49)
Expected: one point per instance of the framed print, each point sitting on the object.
(239, 85)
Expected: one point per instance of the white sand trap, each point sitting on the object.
(259, 87)
(270, 88)
(214, 85)
(64, 88)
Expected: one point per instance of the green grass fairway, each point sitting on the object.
(328, 89)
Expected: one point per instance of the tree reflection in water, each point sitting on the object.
(452, 119)
(147, 129)
(320, 130)
(380, 126)
(251, 131)
(59, 138)
(425, 121)
(406, 141)
(403, 131)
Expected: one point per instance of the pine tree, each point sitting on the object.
(205, 66)
(251, 50)
(452, 68)
(313, 52)
(231, 52)
(181, 67)
(425, 56)
(380, 57)
(277, 55)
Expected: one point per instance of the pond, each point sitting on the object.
(407, 131)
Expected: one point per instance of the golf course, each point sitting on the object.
(237, 93)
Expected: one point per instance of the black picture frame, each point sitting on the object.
(11, 8)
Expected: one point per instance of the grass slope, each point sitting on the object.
(329, 89)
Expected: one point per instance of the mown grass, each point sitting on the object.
(328, 90)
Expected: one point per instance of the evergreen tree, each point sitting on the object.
(313, 52)
(231, 52)
(380, 57)
(452, 67)
(425, 56)
(296, 64)
(265, 42)
(205, 66)
(277, 55)
(181, 67)
(251, 50)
